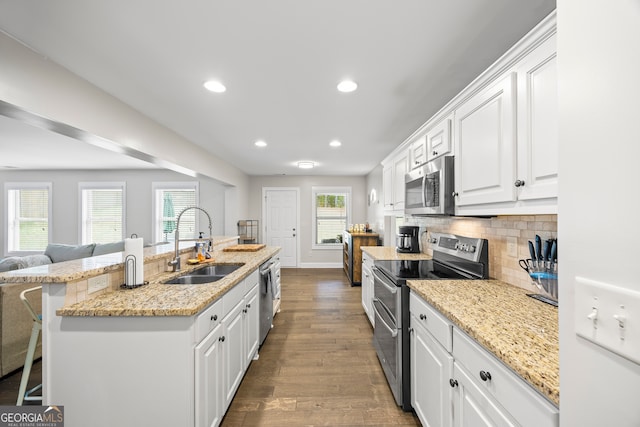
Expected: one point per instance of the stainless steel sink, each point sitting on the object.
(217, 270)
(198, 279)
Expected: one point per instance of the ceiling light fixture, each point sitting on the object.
(260, 143)
(347, 86)
(215, 86)
(335, 143)
(306, 165)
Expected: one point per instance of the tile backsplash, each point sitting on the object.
(507, 235)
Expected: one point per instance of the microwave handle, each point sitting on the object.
(424, 190)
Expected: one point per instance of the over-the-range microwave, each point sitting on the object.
(429, 188)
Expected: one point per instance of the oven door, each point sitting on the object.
(387, 335)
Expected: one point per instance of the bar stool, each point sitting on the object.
(23, 394)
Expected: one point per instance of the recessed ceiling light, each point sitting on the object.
(215, 86)
(335, 143)
(347, 86)
(260, 143)
(306, 165)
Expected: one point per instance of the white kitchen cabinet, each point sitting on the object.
(251, 325)
(208, 380)
(474, 408)
(538, 123)
(507, 140)
(393, 173)
(431, 370)
(485, 135)
(456, 382)
(278, 300)
(418, 152)
(438, 139)
(367, 287)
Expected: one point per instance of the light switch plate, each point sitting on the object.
(97, 283)
(512, 247)
(609, 316)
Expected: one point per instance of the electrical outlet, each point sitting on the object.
(512, 247)
(97, 283)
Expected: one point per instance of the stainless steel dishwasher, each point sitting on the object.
(267, 294)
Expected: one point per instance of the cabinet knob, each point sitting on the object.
(248, 305)
(453, 383)
(214, 317)
(435, 153)
(485, 375)
(221, 339)
(454, 194)
(423, 317)
(519, 183)
(244, 310)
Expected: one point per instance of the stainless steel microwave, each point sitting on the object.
(429, 189)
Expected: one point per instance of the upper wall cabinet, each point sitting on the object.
(418, 152)
(438, 139)
(393, 183)
(485, 128)
(507, 150)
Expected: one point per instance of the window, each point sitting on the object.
(28, 214)
(102, 212)
(331, 213)
(169, 200)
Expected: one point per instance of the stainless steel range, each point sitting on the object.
(454, 257)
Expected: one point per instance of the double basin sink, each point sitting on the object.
(208, 274)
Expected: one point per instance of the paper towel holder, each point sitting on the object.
(130, 273)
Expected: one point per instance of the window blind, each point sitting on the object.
(102, 215)
(28, 219)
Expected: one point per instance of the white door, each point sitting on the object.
(281, 223)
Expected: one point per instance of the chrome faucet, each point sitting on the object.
(175, 263)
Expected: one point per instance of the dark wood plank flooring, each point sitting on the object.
(317, 366)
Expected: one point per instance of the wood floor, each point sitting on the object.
(317, 366)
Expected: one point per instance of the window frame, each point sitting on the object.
(156, 211)
(26, 186)
(315, 190)
(102, 185)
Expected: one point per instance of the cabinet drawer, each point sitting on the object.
(233, 297)
(524, 403)
(433, 321)
(208, 320)
(251, 280)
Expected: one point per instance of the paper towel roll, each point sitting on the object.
(134, 247)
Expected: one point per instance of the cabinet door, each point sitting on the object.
(538, 123)
(367, 287)
(232, 345)
(251, 325)
(418, 155)
(438, 139)
(399, 171)
(431, 370)
(485, 145)
(208, 380)
(472, 407)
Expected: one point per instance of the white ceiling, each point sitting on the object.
(280, 61)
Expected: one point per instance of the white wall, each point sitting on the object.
(375, 210)
(65, 198)
(39, 86)
(308, 256)
(599, 200)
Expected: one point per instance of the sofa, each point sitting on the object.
(15, 321)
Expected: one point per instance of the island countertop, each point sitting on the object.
(159, 299)
(520, 331)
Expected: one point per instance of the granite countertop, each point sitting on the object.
(83, 268)
(390, 253)
(158, 299)
(519, 330)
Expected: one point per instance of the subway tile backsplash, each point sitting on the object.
(504, 233)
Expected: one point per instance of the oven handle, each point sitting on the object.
(391, 287)
(394, 332)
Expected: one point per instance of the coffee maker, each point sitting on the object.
(408, 239)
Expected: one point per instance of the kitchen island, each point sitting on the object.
(158, 354)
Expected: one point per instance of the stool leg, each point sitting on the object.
(28, 361)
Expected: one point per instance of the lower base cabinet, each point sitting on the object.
(455, 382)
(208, 366)
(367, 287)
